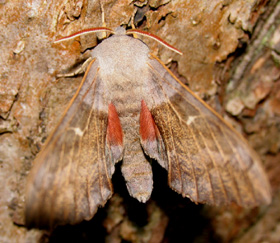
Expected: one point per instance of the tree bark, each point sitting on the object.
(231, 59)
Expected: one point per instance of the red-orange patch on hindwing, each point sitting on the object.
(148, 129)
(114, 129)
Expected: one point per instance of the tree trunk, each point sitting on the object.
(231, 60)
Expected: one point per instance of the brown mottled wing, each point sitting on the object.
(72, 174)
(208, 161)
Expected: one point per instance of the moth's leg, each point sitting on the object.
(80, 70)
(103, 34)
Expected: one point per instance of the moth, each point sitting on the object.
(129, 107)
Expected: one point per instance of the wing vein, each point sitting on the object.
(57, 137)
(172, 137)
(240, 161)
(55, 181)
(99, 156)
(203, 117)
(86, 137)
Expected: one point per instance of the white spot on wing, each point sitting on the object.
(190, 120)
(78, 131)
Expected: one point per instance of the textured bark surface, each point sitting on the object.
(231, 59)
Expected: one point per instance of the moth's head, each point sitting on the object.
(120, 31)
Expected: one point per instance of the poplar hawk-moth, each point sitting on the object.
(128, 107)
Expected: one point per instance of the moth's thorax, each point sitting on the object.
(122, 62)
(121, 53)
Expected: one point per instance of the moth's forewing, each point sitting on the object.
(71, 176)
(208, 161)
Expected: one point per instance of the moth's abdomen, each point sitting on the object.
(135, 168)
(137, 172)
